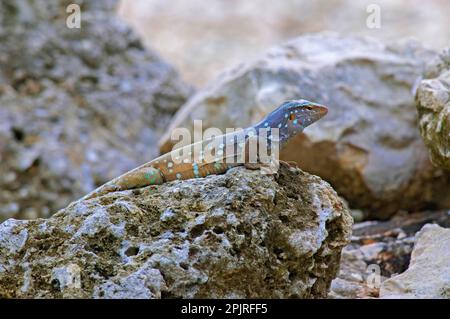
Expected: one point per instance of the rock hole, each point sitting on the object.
(55, 284)
(36, 163)
(292, 275)
(293, 196)
(19, 83)
(89, 78)
(284, 219)
(132, 251)
(184, 265)
(19, 134)
(136, 191)
(277, 251)
(240, 229)
(197, 230)
(235, 251)
(168, 295)
(193, 251)
(54, 119)
(218, 230)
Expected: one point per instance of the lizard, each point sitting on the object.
(217, 155)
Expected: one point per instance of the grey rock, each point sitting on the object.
(77, 106)
(11, 240)
(428, 275)
(433, 105)
(368, 146)
(241, 234)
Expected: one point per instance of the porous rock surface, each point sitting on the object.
(77, 106)
(241, 234)
(433, 105)
(368, 146)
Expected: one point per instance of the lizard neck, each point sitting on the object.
(264, 130)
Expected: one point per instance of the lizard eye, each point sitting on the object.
(292, 117)
(309, 108)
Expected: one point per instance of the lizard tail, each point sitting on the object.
(138, 177)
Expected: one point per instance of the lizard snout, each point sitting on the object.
(319, 111)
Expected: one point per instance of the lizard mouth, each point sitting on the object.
(319, 111)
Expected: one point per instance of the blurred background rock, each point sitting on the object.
(77, 106)
(201, 39)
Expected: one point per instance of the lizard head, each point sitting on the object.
(292, 117)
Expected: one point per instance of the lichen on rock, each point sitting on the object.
(242, 234)
(433, 105)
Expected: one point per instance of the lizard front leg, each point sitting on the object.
(251, 159)
(254, 161)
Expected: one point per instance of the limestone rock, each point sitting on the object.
(428, 275)
(77, 106)
(368, 146)
(433, 105)
(238, 235)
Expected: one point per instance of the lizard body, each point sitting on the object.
(216, 155)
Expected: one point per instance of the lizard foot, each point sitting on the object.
(266, 169)
(253, 166)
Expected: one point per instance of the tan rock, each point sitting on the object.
(428, 275)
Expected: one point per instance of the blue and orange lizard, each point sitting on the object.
(217, 155)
